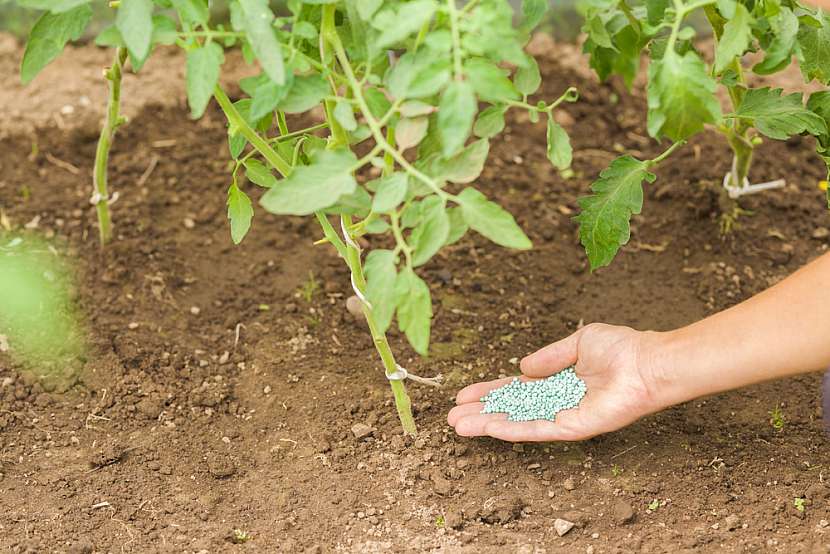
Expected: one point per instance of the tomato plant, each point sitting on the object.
(682, 91)
(401, 85)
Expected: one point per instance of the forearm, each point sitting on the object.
(780, 332)
(824, 4)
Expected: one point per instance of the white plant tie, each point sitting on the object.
(359, 294)
(401, 374)
(97, 198)
(347, 237)
(736, 192)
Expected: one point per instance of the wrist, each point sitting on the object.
(663, 367)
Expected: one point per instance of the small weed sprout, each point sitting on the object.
(440, 522)
(654, 505)
(776, 419)
(799, 504)
(238, 536)
(309, 288)
(616, 470)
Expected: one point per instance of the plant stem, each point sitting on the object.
(253, 137)
(402, 401)
(456, 40)
(669, 151)
(102, 153)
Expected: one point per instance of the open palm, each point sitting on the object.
(607, 358)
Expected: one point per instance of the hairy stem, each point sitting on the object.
(402, 401)
(102, 153)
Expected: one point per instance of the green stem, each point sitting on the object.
(236, 120)
(402, 401)
(102, 153)
(669, 151)
(456, 40)
(282, 124)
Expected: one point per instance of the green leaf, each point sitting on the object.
(532, 13)
(681, 96)
(165, 31)
(203, 64)
(192, 12)
(418, 74)
(656, 10)
(258, 22)
(432, 232)
(398, 22)
(306, 92)
(491, 220)
(313, 187)
(344, 114)
(377, 101)
(304, 29)
(604, 217)
(814, 50)
(489, 81)
(467, 165)
(415, 108)
(414, 304)
(737, 35)
(391, 191)
(458, 227)
(779, 117)
(381, 275)
(560, 152)
(240, 213)
(259, 174)
(455, 116)
(780, 50)
(490, 122)
(49, 35)
(54, 6)
(367, 8)
(595, 28)
(135, 23)
(410, 131)
(528, 79)
(266, 95)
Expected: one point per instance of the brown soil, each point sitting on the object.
(175, 434)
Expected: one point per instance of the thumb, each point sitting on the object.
(552, 358)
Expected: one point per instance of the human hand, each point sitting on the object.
(616, 365)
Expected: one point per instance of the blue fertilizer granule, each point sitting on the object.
(534, 400)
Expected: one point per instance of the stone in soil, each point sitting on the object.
(562, 526)
(362, 431)
(622, 512)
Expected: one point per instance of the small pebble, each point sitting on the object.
(562, 526)
(536, 400)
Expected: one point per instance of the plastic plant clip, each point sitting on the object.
(747, 188)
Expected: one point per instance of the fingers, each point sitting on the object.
(474, 392)
(552, 358)
(475, 425)
(527, 431)
(463, 410)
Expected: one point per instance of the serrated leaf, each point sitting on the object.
(391, 191)
(310, 188)
(490, 122)
(418, 74)
(135, 23)
(414, 304)
(344, 114)
(681, 96)
(455, 116)
(432, 232)
(236, 140)
(560, 151)
(458, 227)
(306, 92)
(605, 215)
(595, 28)
(410, 131)
(257, 21)
(467, 165)
(381, 275)
(398, 22)
(259, 174)
(491, 220)
(192, 12)
(54, 6)
(240, 213)
(528, 79)
(489, 81)
(203, 65)
(780, 50)
(737, 35)
(779, 117)
(266, 95)
(814, 50)
(48, 37)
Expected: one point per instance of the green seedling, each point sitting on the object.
(411, 92)
(238, 536)
(440, 522)
(682, 91)
(799, 504)
(776, 419)
(654, 505)
(616, 470)
(309, 288)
